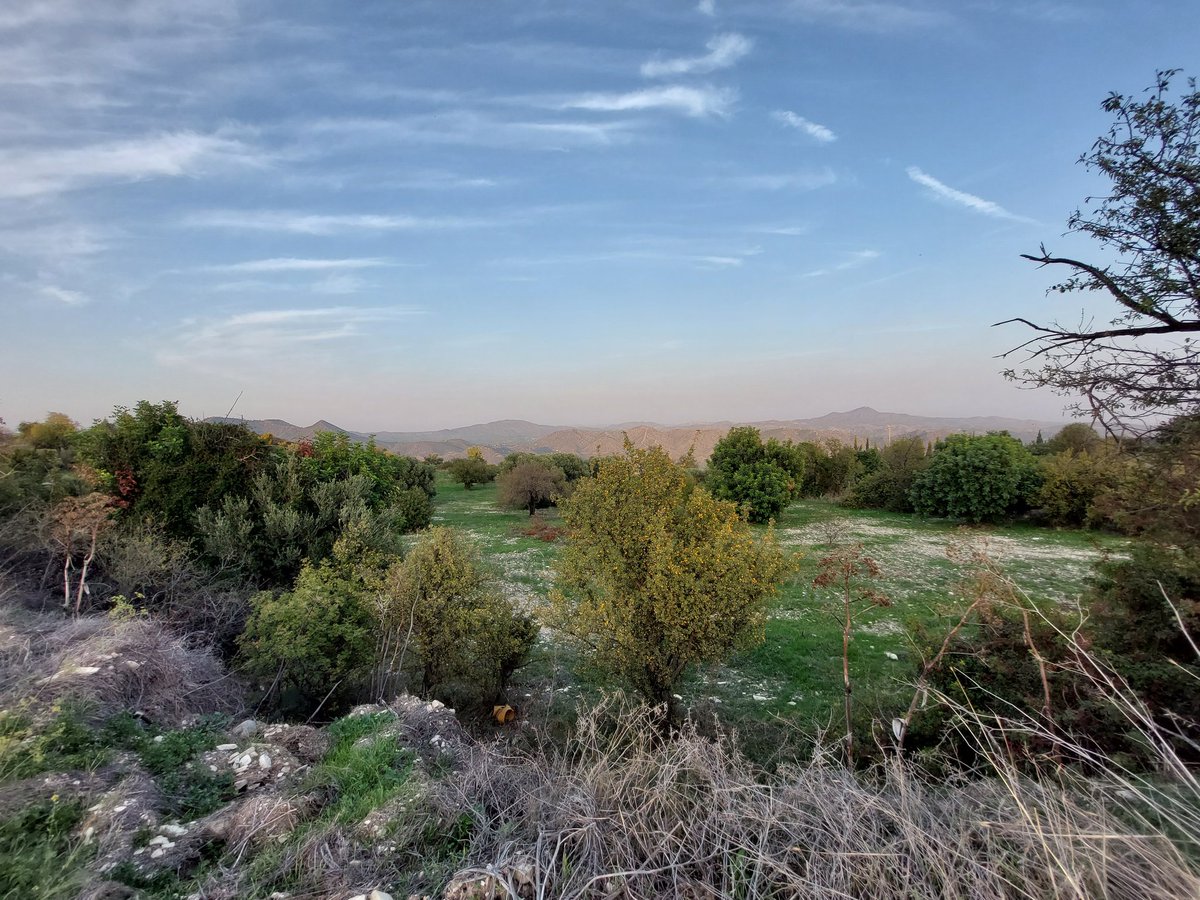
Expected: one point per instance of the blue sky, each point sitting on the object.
(416, 214)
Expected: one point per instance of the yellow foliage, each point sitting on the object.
(657, 575)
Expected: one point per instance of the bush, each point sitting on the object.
(977, 478)
(312, 642)
(889, 486)
(447, 628)
(657, 575)
(1072, 482)
(762, 479)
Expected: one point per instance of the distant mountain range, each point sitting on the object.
(498, 439)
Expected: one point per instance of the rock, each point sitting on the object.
(890, 655)
(264, 761)
(379, 895)
(245, 729)
(226, 747)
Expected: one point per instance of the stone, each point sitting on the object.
(245, 729)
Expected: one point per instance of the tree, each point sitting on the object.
(54, 433)
(890, 486)
(762, 479)
(1145, 362)
(1077, 437)
(658, 575)
(1073, 480)
(445, 612)
(980, 478)
(471, 471)
(530, 485)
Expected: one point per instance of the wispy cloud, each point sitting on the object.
(469, 128)
(254, 335)
(812, 129)
(724, 51)
(802, 181)
(699, 102)
(869, 15)
(64, 296)
(851, 260)
(36, 172)
(322, 224)
(962, 198)
(292, 264)
(707, 7)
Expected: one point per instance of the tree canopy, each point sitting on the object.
(1145, 361)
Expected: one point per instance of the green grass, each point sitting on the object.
(795, 674)
(40, 858)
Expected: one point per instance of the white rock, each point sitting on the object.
(173, 829)
(159, 839)
(890, 655)
(379, 895)
(244, 761)
(158, 739)
(86, 670)
(245, 728)
(157, 854)
(264, 761)
(225, 747)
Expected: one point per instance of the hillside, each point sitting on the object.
(497, 439)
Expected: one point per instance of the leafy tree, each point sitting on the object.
(54, 433)
(315, 640)
(890, 485)
(1073, 480)
(1076, 438)
(658, 575)
(1143, 363)
(470, 471)
(447, 622)
(530, 485)
(979, 478)
(296, 509)
(161, 466)
(573, 467)
(760, 478)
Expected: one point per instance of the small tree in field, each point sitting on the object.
(657, 575)
(530, 485)
(76, 524)
(850, 572)
(471, 471)
(979, 478)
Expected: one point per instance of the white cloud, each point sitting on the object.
(339, 284)
(253, 336)
(869, 15)
(467, 128)
(851, 260)
(812, 129)
(36, 172)
(62, 295)
(320, 224)
(692, 101)
(292, 264)
(707, 7)
(962, 198)
(802, 181)
(724, 50)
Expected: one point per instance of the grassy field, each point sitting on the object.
(795, 675)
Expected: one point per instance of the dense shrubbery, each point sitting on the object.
(981, 478)
(760, 478)
(890, 485)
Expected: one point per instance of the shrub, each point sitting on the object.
(1072, 481)
(890, 485)
(313, 642)
(447, 627)
(977, 478)
(657, 575)
(760, 479)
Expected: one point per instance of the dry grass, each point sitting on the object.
(111, 667)
(620, 813)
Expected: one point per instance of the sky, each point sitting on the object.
(415, 215)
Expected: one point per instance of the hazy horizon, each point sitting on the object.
(400, 217)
